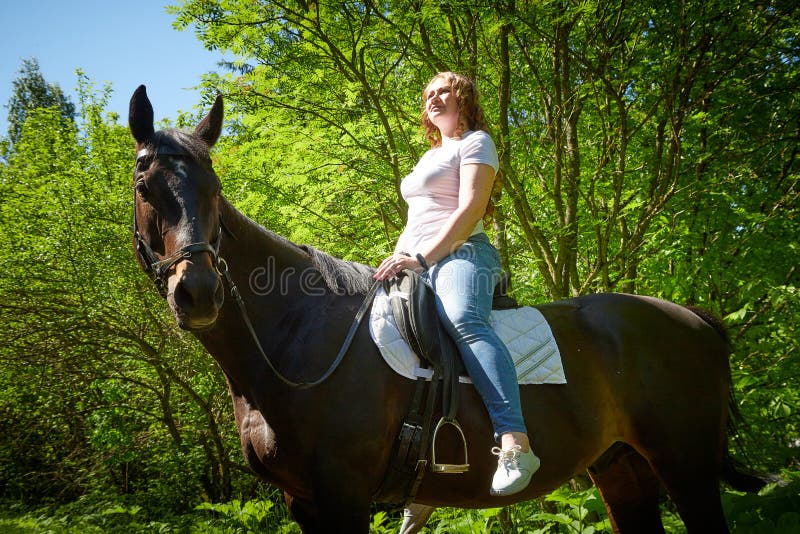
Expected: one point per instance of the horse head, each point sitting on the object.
(176, 220)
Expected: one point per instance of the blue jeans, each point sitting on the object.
(464, 283)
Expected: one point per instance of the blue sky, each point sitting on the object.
(123, 42)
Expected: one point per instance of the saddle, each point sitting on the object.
(414, 307)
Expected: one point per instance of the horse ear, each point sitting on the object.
(210, 127)
(140, 116)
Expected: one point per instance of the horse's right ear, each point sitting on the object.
(140, 116)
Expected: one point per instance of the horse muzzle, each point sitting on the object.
(195, 294)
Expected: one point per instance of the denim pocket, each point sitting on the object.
(484, 254)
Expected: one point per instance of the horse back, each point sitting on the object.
(617, 326)
(631, 359)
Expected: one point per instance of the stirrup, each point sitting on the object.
(449, 468)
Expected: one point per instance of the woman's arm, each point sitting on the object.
(474, 191)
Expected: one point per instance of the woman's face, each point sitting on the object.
(441, 105)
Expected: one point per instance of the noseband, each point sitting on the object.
(158, 268)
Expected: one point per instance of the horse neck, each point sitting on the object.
(267, 271)
(256, 257)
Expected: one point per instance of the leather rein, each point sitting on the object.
(157, 269)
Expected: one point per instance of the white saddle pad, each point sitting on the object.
(524, 331)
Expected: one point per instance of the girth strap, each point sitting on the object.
(414, 307)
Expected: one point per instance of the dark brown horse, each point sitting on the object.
(646, 403)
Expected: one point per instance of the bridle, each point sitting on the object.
(158, 269)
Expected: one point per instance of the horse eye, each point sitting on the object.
(143, 163)
(141, 188)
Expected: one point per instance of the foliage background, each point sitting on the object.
(648, 147)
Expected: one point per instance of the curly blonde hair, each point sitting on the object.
(471, 115)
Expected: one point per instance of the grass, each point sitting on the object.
(774, 509)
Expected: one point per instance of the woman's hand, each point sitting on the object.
(395, 263)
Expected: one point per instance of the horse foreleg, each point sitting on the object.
(630, 490)
(328, 515)
(415, 517)
(303, 512)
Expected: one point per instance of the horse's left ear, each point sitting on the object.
(210, 127)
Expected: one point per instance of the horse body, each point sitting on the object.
(621, 375)
(646, 400)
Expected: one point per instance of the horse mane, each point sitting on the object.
(341, 276)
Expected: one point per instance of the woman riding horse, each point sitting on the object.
(318, 410)
(447, 194)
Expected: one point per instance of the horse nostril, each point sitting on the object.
(183, 297)
(199, 292)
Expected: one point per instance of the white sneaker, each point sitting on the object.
(514, 470)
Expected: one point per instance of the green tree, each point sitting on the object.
(101, 394)
(601, 112)
(31, 91)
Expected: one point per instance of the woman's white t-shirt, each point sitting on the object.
(431, 190)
